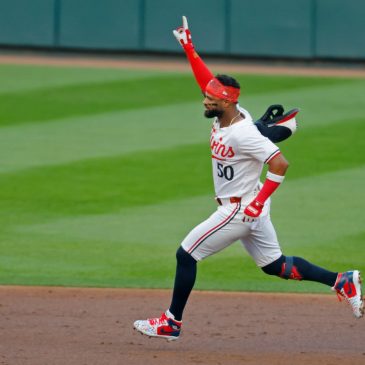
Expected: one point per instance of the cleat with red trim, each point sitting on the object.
(348, 286)
(164, 327)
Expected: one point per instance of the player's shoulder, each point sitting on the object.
(245, 114)
(246, 122)
(247, 134)
(245, 128)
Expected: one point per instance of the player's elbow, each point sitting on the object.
(282, 163)
(285, 165)
(278, 165)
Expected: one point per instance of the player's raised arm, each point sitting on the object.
(277, 127)
(201, 72)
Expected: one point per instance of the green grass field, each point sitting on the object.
(103, 172)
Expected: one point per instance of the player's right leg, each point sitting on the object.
(348, 286)
(168, 326)
(220, 230)
(214, 234)
(164, 327)
(263, 246)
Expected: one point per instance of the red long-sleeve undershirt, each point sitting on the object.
(201, 72)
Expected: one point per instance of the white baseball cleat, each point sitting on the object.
(348, 286)
(164, 327)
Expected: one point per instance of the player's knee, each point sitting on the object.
(274, 268)
(284, 267)
(184, 258)
(289, 269)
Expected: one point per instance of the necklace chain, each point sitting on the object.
(234, 118)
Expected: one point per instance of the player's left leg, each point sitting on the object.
(186, 268)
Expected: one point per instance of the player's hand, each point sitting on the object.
(183, 35)
(252, 211)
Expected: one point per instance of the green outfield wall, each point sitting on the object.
(260, 28)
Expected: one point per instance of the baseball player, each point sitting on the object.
(238, 152)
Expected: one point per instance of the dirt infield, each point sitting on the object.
(54, 326)
(180, 64)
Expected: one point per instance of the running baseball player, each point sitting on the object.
(239, 152)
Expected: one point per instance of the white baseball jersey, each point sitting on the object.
(238, 155)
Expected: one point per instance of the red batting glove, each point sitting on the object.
(252, 211)
(183, 35)
(201, 72)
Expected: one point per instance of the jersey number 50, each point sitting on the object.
(225, 171)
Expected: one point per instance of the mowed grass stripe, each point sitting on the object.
(300, 209)
(148, 177)
(108, 250)
(94, 98)
(76, 138)
(100, 97)
(60, 142)
(319, 105)
(100, 185)
(317, 150)
(21, 78)
(100, 221)
(314, 210)
(165, 222)
(38, 260)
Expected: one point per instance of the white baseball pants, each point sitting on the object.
(225, 226)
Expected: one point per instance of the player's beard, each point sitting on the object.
(212, 113)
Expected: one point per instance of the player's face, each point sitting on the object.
(213, 106)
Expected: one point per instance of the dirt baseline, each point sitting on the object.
(74, 326)
(167, 63)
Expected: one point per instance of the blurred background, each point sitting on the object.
(305, 29)
(104, 169)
